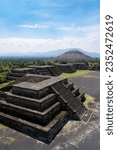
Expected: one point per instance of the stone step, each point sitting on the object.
(67, 98)
(76, 92)
(17, 74)
(35, 104)
(23, 70)
(81, 97)
(42, 70)
(54, 72)
(66, 69)
(33, 78)
(30, 115)
(70, 86)
(36, 90)
(2, 95)
(81, 112)
(45, 134)
(29, 89)
(12, 78)
(45, 73)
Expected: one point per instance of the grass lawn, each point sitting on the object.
(89, 99)
(5, 84)
(76, 74)
(2, 127)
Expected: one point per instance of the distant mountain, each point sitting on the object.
(74, 55)
(53, 53)
(58, 52)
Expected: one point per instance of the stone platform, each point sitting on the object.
(47, 70)
(20, 72)
(39, 106)
(66, 68)
(80, 66)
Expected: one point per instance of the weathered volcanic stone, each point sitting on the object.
(43, 133)
(39, 106)
(2, 95)
(20, 72)
(45, 70)
(81, 66)
(66, 68)
(75, 108)
(23, 70)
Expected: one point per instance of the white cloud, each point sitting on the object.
(72, 27)
(25, 45)
(33, 26)
(89, 40)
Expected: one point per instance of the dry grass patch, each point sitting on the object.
(78, 73)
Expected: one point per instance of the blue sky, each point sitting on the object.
(43, 25)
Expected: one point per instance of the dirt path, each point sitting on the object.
(89, 84)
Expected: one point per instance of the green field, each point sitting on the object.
(2, 127)
(76, 74)
(2, 85)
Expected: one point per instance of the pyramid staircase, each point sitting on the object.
(72, 101)
(41, 109)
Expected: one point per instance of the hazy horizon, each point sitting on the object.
(49, 54)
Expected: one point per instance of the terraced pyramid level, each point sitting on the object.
(47, 70)
(20, 72)
(66, 68)
(80, 66)
(40, 106)
(41, 70)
